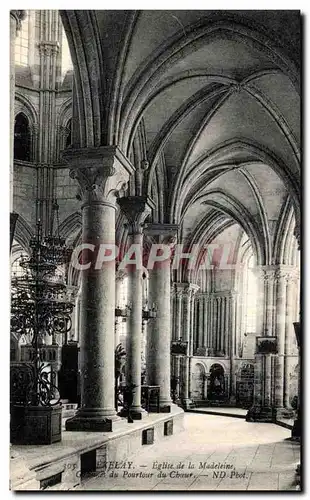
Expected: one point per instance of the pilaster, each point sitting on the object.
(270, 369)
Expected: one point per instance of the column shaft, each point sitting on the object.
(133, 345)
(288, 340)
(206, 319)
(212, 327)
(159, 337)
(218, 323)
(280, 333)
(201, 322)
(222, 346)
(99, 171)
(97, 319)
(118, 321)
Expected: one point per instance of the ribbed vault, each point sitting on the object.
(209, 102)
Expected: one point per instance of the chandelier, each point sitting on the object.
(40, 309)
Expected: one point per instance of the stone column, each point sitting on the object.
(226, 326)
(296, 431)
(188, 290)
(174, 361)
(118, 320)
(74, 334)
(176, 335)
(100, 172)
(270, 369)
(16, 16)
(192, 326)
(159, 334)
(281, 282)
(200, 321)
(136, 210)
(218, 323)
(262, 409)
(178, 323)
(223, 312)
(292, 278)
(211, 345)
(232, 301)
(206, 324)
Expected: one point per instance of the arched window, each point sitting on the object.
(22, 43)
(251, 291)
(21, 138)
(66, 62)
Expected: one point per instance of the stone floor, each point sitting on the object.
(222, 410)
(213, 453)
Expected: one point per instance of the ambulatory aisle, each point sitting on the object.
(213, 453)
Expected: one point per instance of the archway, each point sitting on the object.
(21, 138)
(217, 386)
(198, 382)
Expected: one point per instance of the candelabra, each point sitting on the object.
(39, 309)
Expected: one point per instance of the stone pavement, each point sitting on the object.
(213, 453)
(221, 410)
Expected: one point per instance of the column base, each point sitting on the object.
(260, 414)
(283, 413)
(165, 408)
(133, 414)
(187, 404)
(94, 420)
(138, 413)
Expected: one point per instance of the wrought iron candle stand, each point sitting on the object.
(39, 309)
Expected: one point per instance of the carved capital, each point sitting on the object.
(278, 273)
(94, 184)
(266, 273)
(48, 48)
(165, 234)
(102, 173)
(185, 290)
(136, 210)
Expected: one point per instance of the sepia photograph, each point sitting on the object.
(155, 239)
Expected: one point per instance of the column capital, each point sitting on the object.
(287, 273)
(185, 289)
(18, 16)
(102, 173)
(276, 273)
(136, 209)
(266, 273)
(49, 47)
(165, 234)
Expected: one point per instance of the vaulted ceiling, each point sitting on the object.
(213, 97)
